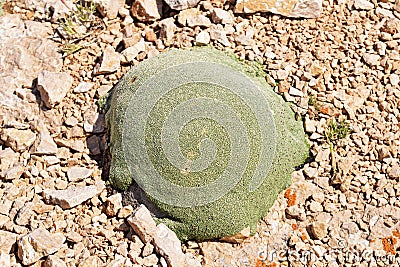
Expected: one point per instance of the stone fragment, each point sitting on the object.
(24, 214)
(73, 196)
(363, 4)
(45, 144)
(219, 36)
(13, 173)
(394, 79)
(371, 59)
(199, 20)
(7, 159)
(318, 230)
(37, 244)
(93, 121)
(181, 4)
(291, 8)
(130, 53)
(109, 8)
(295, 92)
(103, 90)
(7, 241)
(74, 237)
(53, 87)
(184, 15)
(83, 87)
(147, 250)
(384, 13)
(5, 260)
(113, 204)
(168, 246)
(239, 237)
(143, 224)
(218, 15)
(397, 6)
(18, 140)
(203, 38)
(295, 212)
(394, 172)
(76, 174)
(54, 261)
(150, 260)
(90, 262)
(110, 62)
(147, 10)
(167, 30)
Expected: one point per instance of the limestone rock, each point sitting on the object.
(110, 62)
(371, 59)
(109, 8)
(7, 241)
(203, 38)
(74, 196)
(7, 159)
(181, 4)
(291, 8)
(46, 144)
(13, 173)
(167, 29)
(90, 261)
(218, 15)
(53, 87)
(83, 87)
(143, 224)
(54, 261)
(168, 245)
(318, 230)
(75, 174)
(199, 20)
(18, 140)
(147, 10)
(394, 172)
(113, 204)
(37, 244)
(363, 4)
(5, 260)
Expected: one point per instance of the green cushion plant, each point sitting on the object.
(206, 138)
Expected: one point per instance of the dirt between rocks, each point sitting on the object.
(343, 64)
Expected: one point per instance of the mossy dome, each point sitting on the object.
(206, 138)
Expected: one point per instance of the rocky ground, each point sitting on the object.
(343, 207)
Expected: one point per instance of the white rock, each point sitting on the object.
(143, 224)
(363, 4)
(203, 38)
(54, 261)
(168, 245)
(394, 79)
(130, 53)
(282, 74)
(199, 20)
(53, 87)
(109, 8)
(147, 10)
(37, 244)
(7, 159)
(14, 172)
(18, 140)
(218, 15)
(75, 174)
(7, 241)
(110, 62)
(181, 4)
(382, 12)
(46, 144)
(73, 196)
(295, 92)
(167, 29)
(83, 87)
(371, 59)
(220, 36)
(5, 260)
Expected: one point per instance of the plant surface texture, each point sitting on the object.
(206, 139)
